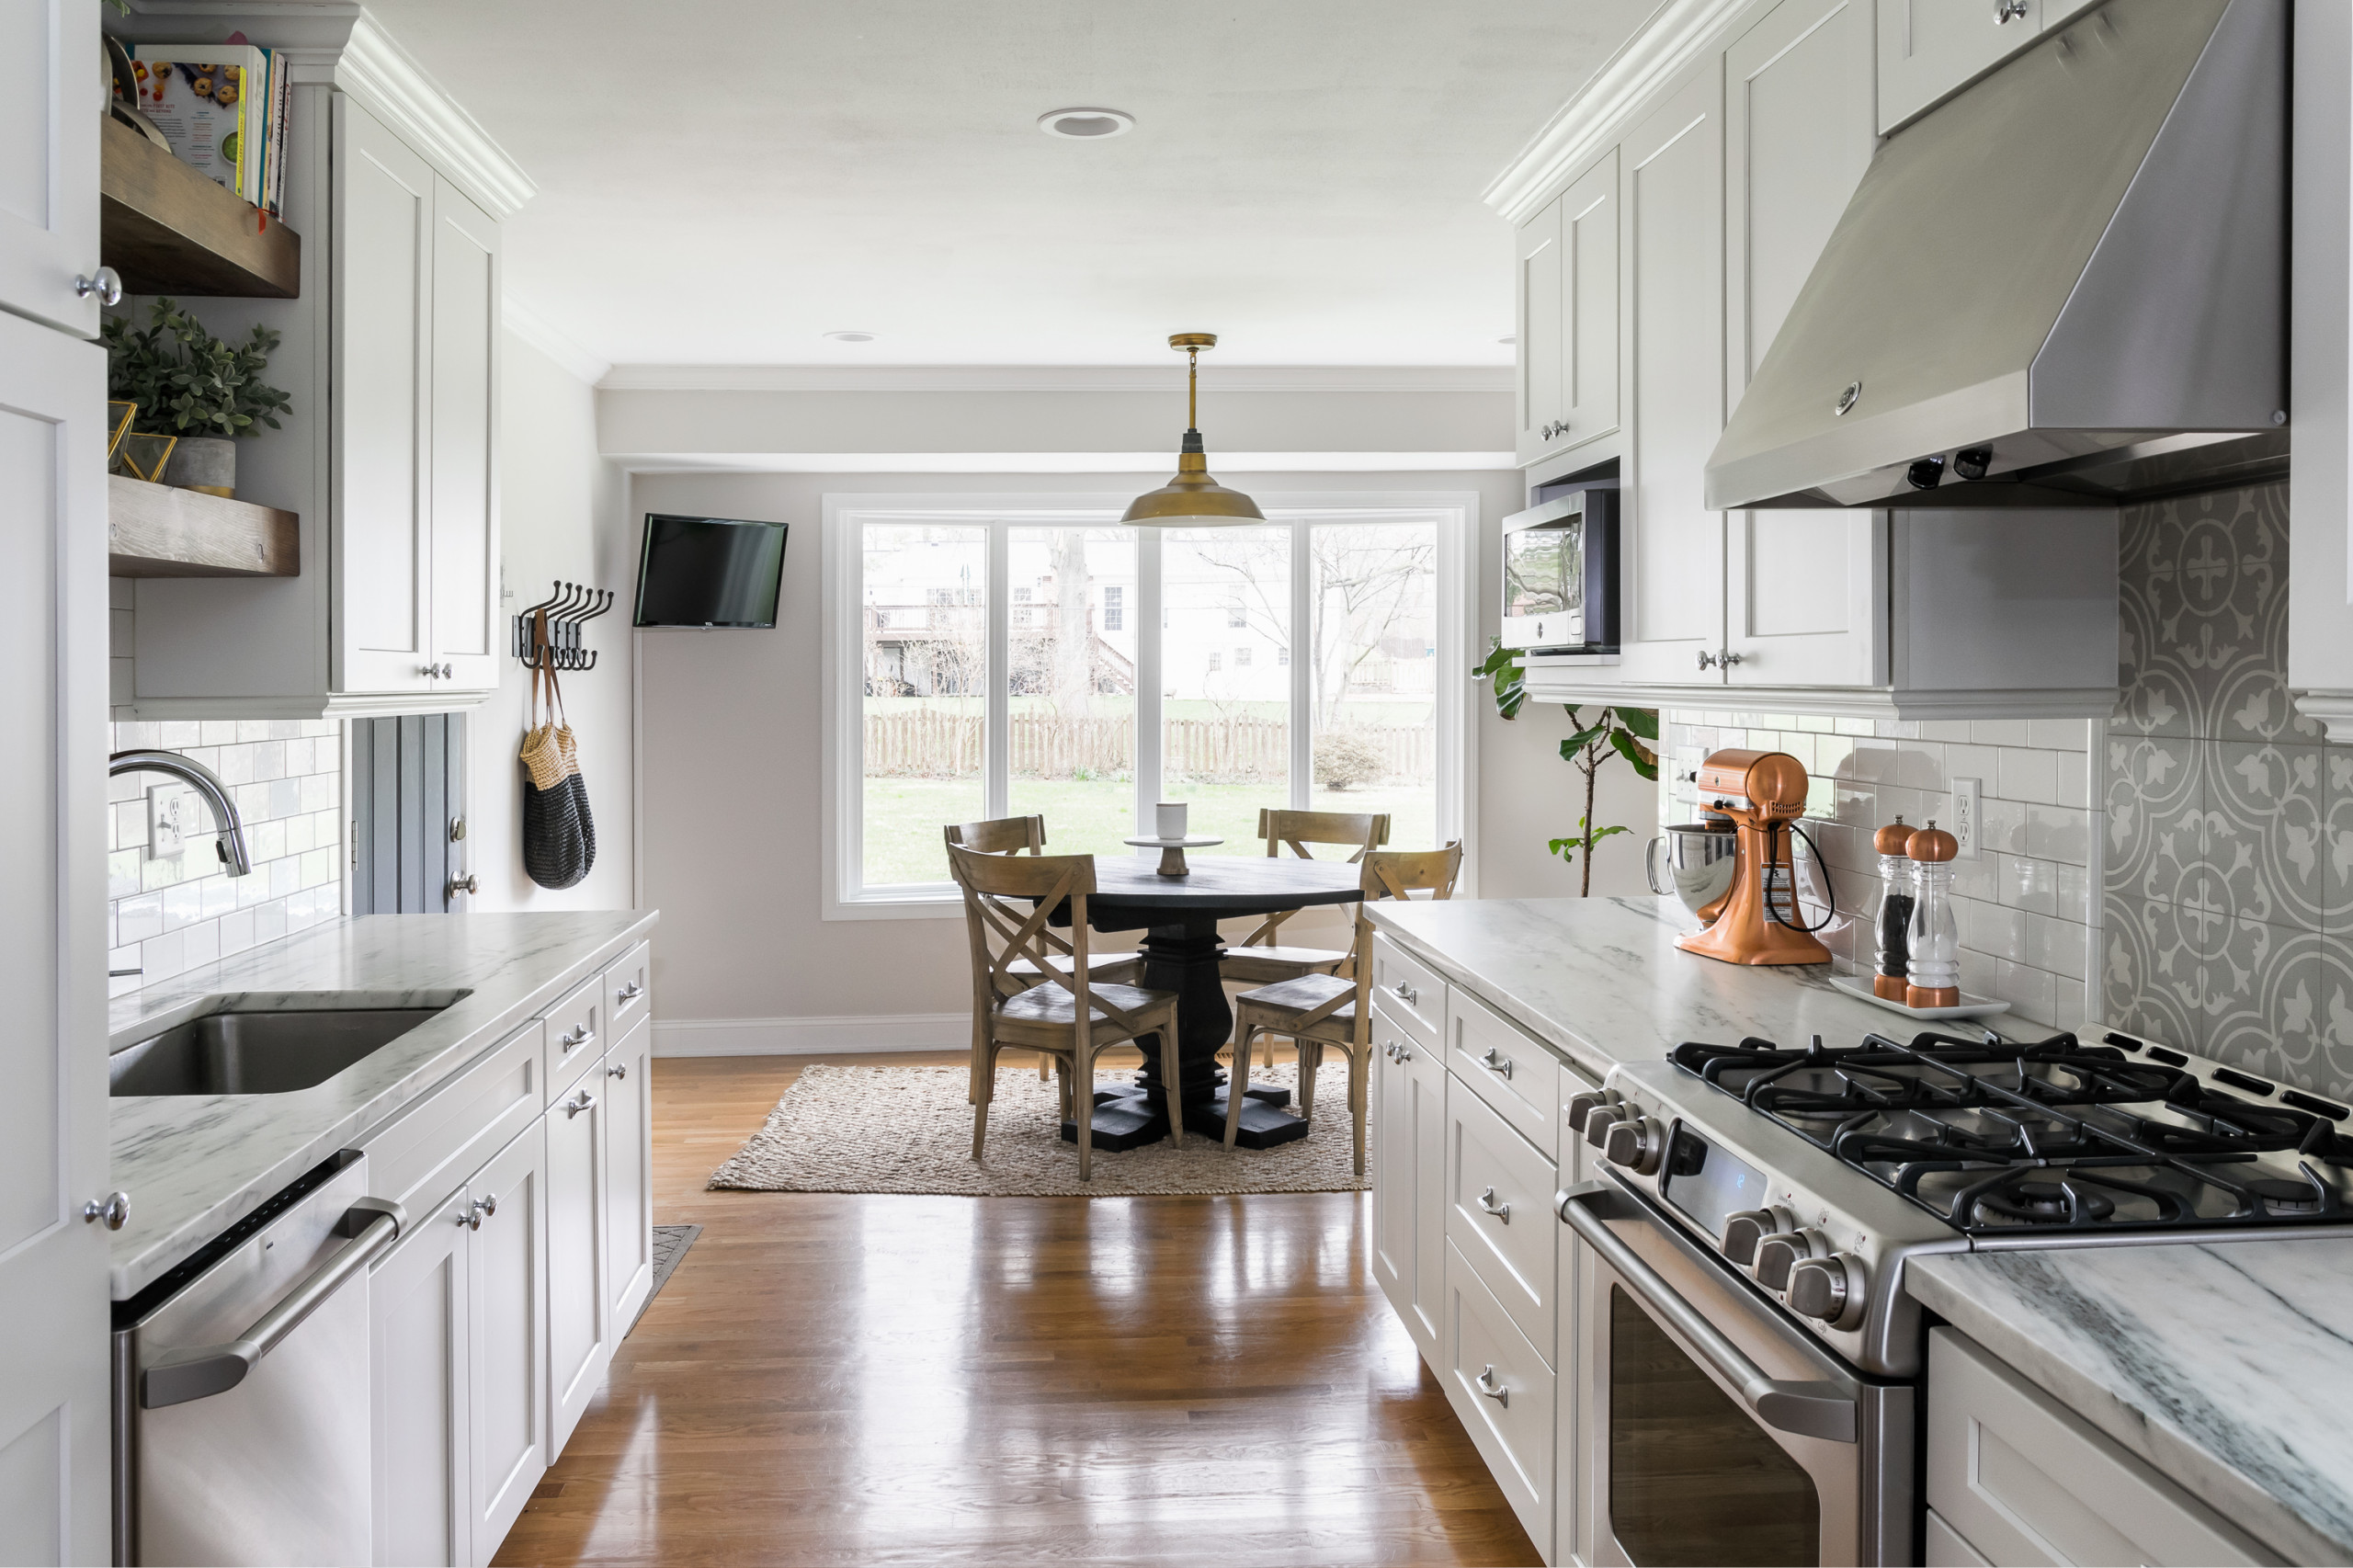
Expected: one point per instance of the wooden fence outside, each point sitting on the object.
(1224, 750)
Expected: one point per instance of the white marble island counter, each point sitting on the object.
(1601, 981)
(194, 1164)
(2227, 1366)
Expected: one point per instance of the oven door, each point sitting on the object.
(1715, 1429)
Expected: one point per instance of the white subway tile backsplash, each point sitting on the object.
(2028, 775)
(2002, 731)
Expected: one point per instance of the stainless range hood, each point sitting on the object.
(2066, 286)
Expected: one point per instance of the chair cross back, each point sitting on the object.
(991, 883)
(1000, 836)
(1364, 830)
(1396, 874)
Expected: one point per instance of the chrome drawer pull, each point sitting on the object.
(581, 1035)
(1500, 1210)
(573, 1108)
(618, 1070)
(1407, 991)
(1499, 1065)
(1487, 1385)
(628, 989)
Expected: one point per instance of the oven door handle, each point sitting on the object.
(1807, 1409)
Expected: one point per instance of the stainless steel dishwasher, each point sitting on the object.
(240, 1386)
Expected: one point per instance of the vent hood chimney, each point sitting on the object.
(2065, 286)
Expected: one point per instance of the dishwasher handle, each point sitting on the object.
(1807, 1409)
(200, 1372)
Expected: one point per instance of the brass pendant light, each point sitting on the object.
(1192, 499)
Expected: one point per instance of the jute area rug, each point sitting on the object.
(908, 1129)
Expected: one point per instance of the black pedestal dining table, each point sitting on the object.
(1181, 951)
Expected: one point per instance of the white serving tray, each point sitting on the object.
(1969, 1007)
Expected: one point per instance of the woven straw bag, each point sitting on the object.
(559, 834)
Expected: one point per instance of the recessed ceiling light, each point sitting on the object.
(1086, 124)
(849, 337)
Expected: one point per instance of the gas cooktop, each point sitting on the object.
(1997, 1138)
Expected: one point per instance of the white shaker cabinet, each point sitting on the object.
(1568, 317)
(1671, 547)
(389, 457)
(2320, 503)
(628, 1175)
(1805, 591)
(507, 1267)
(1408, 1178)
(48, 160)
(580, 1341)
(420, 1317)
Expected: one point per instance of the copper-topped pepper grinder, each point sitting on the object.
(1932, 940)
(1893, 844)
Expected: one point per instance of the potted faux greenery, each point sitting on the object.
(205, 389)
(1630, 732)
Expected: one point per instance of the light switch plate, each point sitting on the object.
(1965, 811)
(171, 817)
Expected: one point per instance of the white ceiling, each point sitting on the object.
(723, 183)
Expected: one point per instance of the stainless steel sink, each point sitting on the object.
(259, 1053)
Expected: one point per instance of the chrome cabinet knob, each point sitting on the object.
(488, 1204)
(1636, 1142)
(1496, 1062)
(1485, 1383)
(1728, 658)
(1707, 660)
(481, 1208)
(618, 1070)
(462, 884)
(1488, 1205)
(1744, 1231)
(1828, 1290)
(1776, 1255)
(2009, 11)
(105, 283)
(112, 1210)
(1579, 1107)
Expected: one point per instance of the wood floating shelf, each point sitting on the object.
(156, 530)
(167, 229)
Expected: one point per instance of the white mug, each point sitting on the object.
(1169, 819)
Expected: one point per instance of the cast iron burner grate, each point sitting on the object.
(2000, 1137)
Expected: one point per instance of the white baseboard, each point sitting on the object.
(812, 1037)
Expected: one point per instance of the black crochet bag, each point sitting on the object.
(559, 834)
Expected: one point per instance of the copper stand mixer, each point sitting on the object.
(1763, 793)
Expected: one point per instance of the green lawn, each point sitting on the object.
(904, 817)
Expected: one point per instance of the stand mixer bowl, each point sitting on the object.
(1701, 860)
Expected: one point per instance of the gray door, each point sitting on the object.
(408, 812)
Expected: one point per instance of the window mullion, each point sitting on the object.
(1149, 636)
(1303, 666)
(996, 723)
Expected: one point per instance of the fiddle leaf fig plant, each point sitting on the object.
(1629, 732)
(188, 382)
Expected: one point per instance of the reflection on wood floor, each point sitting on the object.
(848, 1378)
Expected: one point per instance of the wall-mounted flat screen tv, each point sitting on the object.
(708, 572)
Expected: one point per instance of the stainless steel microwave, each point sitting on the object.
(1561, 573)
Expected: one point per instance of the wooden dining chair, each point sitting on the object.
(1067, 1015)
(1261, 959)
(1320, 1010)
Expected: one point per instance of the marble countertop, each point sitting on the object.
(2228, 1366)
(1601, 981)
(194, 1165)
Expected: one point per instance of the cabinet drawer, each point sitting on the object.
(1409, 991)
(1503, 1393)
(2023, 1479)
(444, 1140)
(628, 989)
(1519, 1077)
(1946, 1549)
(576, 1035)
(1499, 1212)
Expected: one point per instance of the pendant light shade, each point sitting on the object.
(1192, 499)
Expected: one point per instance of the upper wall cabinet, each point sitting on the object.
(1568, 317)
(1928, 50)
(391, 358)
(48, 160)
(2320, 503)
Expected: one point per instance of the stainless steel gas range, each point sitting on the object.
(1748, 1364)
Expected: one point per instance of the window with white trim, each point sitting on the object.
(953, 696)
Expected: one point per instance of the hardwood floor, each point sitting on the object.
(848, 1378)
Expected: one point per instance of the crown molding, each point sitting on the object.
(341, 44)
(544, 336)
(1053, 379)
(1675, 35)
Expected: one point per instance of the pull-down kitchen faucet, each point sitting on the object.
(205, 782)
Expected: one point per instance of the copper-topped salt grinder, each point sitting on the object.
(1931, 939)
(1894, 845)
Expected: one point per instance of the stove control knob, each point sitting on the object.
(1580, 1107)
(1639, 1141)
(1745, 1230)
(1600, 1121)
(1829, 1288)
(1778, 1255)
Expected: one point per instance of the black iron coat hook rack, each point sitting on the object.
(566, 609)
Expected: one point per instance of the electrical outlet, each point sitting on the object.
(171, 819)
(1965, 810)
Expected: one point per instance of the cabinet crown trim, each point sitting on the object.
(1675, 36)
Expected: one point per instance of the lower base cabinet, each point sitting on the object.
(628, 1173)
(1504, 1391)
(506, 1270)
(1409, 1181)
(580, 1340)
(420, 1312)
